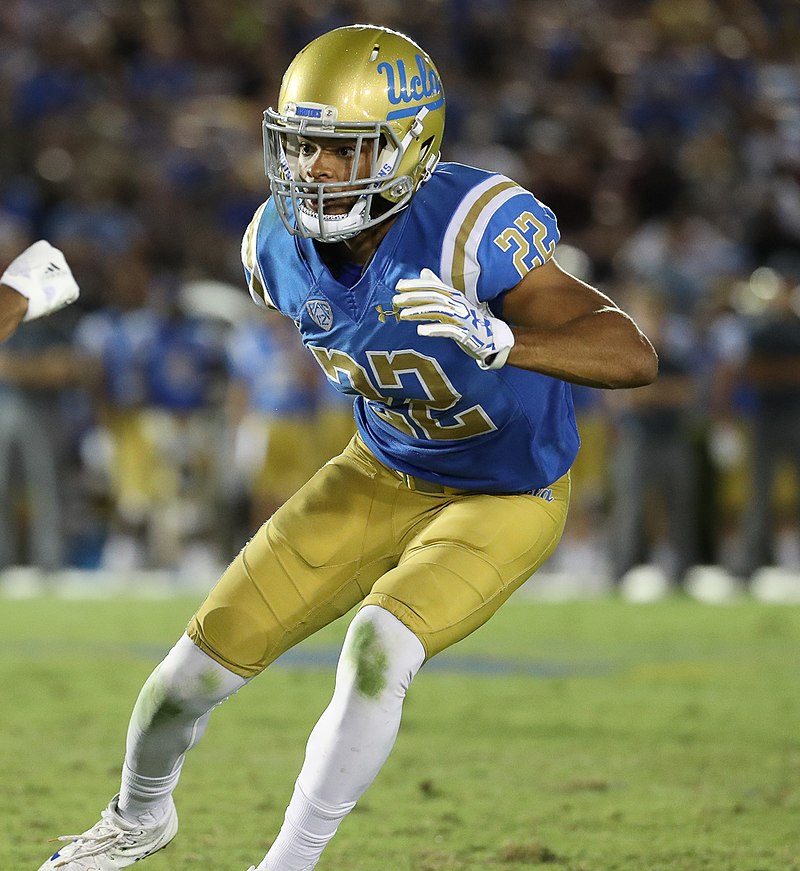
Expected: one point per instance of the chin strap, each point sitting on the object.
(414, 132)
(334, 225)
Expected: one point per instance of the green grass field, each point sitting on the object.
(581, 736)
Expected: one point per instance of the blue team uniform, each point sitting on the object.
(181, 366)
(122, 342)
(261, 362)
(422, 405)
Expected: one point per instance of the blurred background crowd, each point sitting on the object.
(157, 422)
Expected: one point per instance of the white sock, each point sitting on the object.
(352, 738)
(307, 828)
(168, 719)
(145, 799)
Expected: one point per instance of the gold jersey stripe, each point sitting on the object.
(257, 288)
(471, 219)
(249, 240)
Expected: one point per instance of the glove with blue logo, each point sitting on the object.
(449, 314)
(41, 274)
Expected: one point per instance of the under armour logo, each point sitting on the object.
(383, 315)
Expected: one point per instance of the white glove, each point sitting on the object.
(451, 315)
(41, 275)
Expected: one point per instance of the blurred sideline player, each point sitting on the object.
(36, 283)
(114, 341)
(157, 369)
(35, 365)
(429, 292)
(271, 398)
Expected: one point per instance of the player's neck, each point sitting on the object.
(360, 248)
(351, 256)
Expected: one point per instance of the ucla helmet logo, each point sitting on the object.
(402, 90)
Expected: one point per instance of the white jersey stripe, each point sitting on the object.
(469, 270)
(472, 267)
(459, 216)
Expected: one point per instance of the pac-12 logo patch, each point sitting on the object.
(321, 313)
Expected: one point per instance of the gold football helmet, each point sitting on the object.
(379, 91)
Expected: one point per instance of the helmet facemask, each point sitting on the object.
(360, 85)
(310, 203)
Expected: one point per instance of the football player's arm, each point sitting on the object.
(13, 306)
(567, 329)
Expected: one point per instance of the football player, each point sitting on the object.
(430, 293)
(36, 283)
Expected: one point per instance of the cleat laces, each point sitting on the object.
(103, 836)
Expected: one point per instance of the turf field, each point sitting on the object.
(580, 736)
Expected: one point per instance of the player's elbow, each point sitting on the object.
(629, 357)
(641, 365)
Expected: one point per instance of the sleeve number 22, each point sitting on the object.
(517, 235)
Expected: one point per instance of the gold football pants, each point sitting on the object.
(359, 532)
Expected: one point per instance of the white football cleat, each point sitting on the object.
(112, 843)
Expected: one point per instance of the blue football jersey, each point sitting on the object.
(423, 406)
(121, 341)
(181, 366)
(261, 361)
